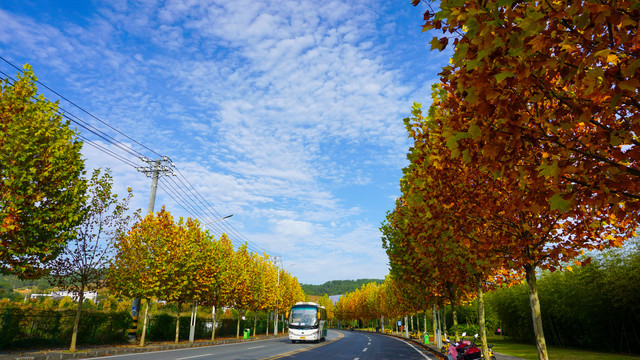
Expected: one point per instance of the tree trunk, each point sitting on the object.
(213, 318)
(144, 324)
(454, 315)
(443, 318)
(406, 327)
(530, 272)
(238, 327)
(436, 324)
(255, 323)
(178, 324)
(453, 298)
(267, 331)
(76, 322)
(425, 322)
(192, 324)
(481, 319)
(275, 322)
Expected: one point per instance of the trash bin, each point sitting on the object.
(247, 333)
(426, 338)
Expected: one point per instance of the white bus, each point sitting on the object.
(307, 322)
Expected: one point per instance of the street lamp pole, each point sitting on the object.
(275, 324)
(213, 307)
(222, 218)
(275, 314)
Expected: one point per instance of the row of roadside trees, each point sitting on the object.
(181, 263)
(529, 154)
(595, 306)
(54, 222)
(382, 304)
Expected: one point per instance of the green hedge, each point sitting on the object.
(593, 307)
(162, 327)
(26, 327)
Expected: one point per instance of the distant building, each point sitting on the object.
(57, 295)
(335, 298)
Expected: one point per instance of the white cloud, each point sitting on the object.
(270, 109)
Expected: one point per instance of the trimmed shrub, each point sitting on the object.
(27, 327)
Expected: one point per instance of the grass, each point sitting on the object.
(529, 352)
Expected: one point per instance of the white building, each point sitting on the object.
(57, 295)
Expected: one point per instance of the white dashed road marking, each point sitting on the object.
(195, 356)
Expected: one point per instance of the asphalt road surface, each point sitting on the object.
(340, 345)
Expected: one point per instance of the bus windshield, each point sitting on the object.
(303, 317)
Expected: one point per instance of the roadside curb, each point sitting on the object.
(90, 353)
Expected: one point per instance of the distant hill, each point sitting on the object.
(337, 287)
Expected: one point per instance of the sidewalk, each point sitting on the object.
(94, 351)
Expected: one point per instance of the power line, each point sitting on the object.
(187, 203)
(92, 129)
(203, 213)
(177, 195)
(198, 207)
(107, 151)
(83, 110)
(206, 205)
(89, 128)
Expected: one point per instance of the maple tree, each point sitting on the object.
(178, 262)
(425, 259)
(132, 272)
(443, 216)
(83, 263)
(389, 296)
(160, 258)
(290, 291)
(553, 85)
(217, 275)
(263, 283)
(243, 261)
(491, 214)
(42, 192)
(544, 95)
(392, 299)
(328, 305)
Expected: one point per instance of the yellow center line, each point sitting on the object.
(280, 356)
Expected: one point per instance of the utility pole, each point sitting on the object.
(156, 168)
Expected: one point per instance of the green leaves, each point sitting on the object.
(42, 193)
(503, 75)
(557, 202)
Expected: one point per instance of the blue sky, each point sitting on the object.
(286, 114)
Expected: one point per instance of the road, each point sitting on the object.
(340, 345)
